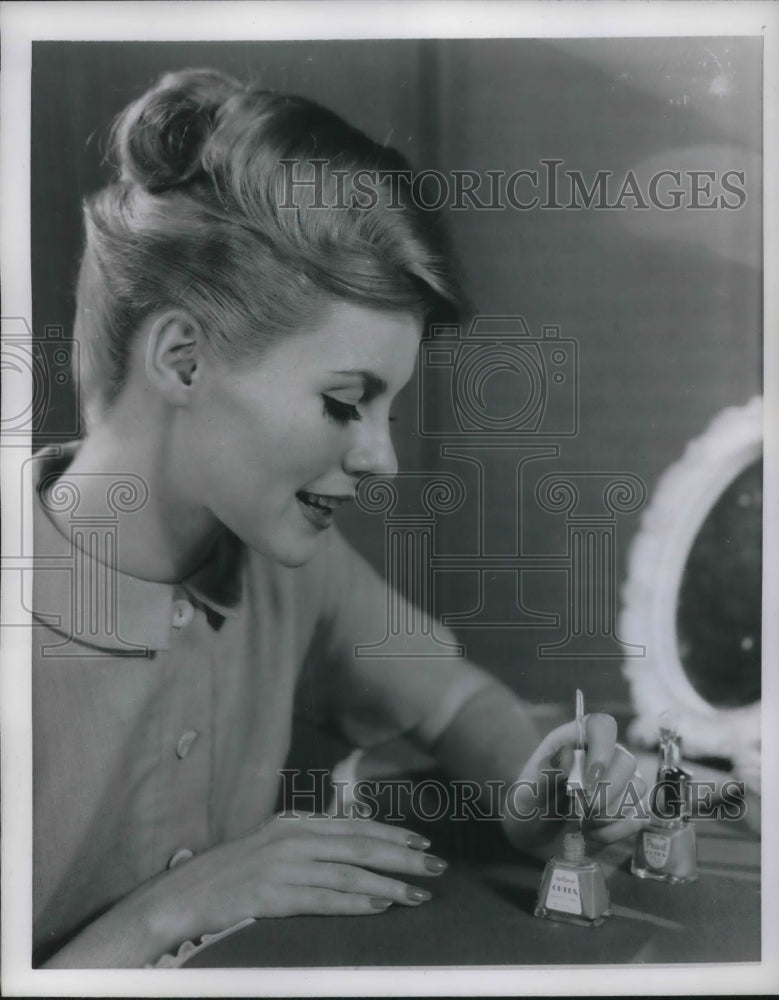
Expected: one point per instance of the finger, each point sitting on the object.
(368, 852)
(628, 815)
(601, 730)
(328, 826)
(529, 801)
(620, 771)
(629, 805)
(325, 902)
(562, 736)
(349, 878)
(563, 759)
(619, 829)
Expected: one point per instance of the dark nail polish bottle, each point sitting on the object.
(665, 850)
(573, 889)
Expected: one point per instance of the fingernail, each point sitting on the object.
(380, 904)
(417, 843)
(594, 773)
(435, 865)
(417, 895)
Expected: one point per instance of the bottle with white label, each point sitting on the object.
(665, 850)
(573, 888)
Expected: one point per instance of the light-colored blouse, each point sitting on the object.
(162, 713)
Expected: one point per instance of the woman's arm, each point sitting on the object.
(475, 726)
(131, 934)
(490, 737)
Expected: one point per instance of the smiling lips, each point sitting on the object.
(318, 508)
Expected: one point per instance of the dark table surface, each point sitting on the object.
(482, 914)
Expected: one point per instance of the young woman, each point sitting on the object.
(250, 302)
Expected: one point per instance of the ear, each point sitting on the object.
(174, 355)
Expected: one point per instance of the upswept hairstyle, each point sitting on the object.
(211, 212)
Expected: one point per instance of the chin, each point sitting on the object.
(293, 561)
(289, 545)
(293, 553)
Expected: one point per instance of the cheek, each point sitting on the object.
(261, 472)
(258, 450)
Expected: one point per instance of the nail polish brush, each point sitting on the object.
(576, 783)
(573, 888)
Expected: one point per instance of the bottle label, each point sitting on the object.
(656, 849)
(564, 891)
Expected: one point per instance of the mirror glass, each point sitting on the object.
(719, 608)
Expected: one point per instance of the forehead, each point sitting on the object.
(351, 338)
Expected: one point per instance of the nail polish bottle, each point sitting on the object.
(665, 850)
(573, 889)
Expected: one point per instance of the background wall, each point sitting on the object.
(664, 306)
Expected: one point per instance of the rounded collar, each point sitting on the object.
(80, 592)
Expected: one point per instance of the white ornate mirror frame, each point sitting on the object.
(684, 496)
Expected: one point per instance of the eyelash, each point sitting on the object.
(341, 412)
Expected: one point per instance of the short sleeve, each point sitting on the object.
(382, 668)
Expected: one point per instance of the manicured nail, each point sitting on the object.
(417, 895)
(417, 843)
(435, 865)
(594, 773)
(380, 904)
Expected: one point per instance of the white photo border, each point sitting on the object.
(24, 22)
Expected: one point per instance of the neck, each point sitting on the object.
(168, 537)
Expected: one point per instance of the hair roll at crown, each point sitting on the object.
(244, 207)
(159, 138)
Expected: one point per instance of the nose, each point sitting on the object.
(372, 451)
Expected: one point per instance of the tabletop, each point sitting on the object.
(482, 914)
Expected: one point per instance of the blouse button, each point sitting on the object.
(182, 855)
(183, 613)
(185, 743)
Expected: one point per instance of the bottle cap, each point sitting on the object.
(573, 847)
(676, 798)
(671, 796)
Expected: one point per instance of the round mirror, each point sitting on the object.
(718, 616)
(693, 596)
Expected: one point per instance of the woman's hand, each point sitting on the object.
(614, 798)
(290, 866)
(306, 865)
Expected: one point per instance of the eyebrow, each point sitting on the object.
(373, 384)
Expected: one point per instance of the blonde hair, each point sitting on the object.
(201, 218)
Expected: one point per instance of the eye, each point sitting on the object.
(338, 410)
